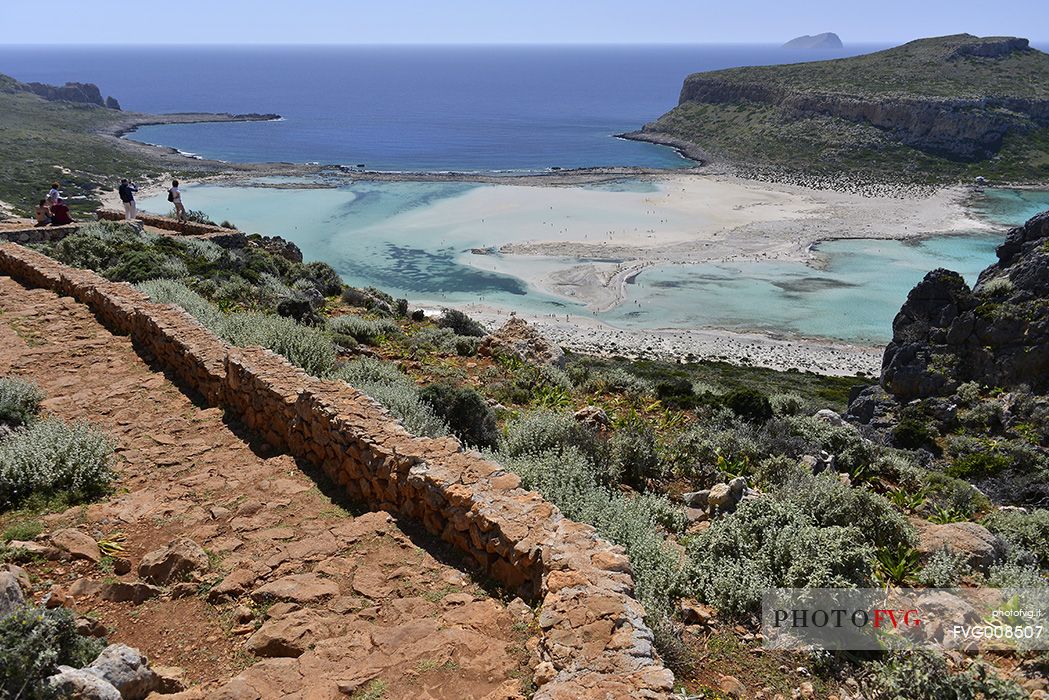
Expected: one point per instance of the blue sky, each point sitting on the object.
(508, 21)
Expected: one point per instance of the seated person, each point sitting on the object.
(43, 213)
(60, 214)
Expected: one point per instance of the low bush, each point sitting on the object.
(772, 544)
(945, 492)
(19, 400)
(1030, 531)
(568, 479)
(829, 502)
(633, 455)
(544, 431)
(362, 330)
(944, 569)
(923, 673)
(466, 412)
(460, 323)
(397, 393)
(34, 642)
(749, 405)
(676, 393)
(787, 404)
(50, 458)
(308, 348)
(911, 434)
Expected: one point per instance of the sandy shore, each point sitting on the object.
(684, 219)
(591, 337)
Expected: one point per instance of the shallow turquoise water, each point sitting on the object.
(854, 298)
(1012, 207)
(387, 235)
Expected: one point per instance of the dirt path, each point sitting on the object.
(352, 604)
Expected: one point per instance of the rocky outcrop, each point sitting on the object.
(978, 97)
(826, 40)
(517, 337)
(997, 333)
(83, 93)
(962, 128)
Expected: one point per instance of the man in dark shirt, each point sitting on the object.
(127, 192)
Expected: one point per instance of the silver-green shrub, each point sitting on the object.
(363, 330)
(944, 569)
(306, 347)
(829, 501)
(303, 346)
(19, 400)
(568, 479)
(772, 544)
(395, 391)
(50, 457)
(1029, 531)
(787, 404)
(924, 673)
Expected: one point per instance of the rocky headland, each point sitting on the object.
(931, 109)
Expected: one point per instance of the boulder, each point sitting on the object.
(181, 558)
(297, 588)
(38, 549)
(288, 636)
(593, 417)
(127, 670)
(80, 545)
(971, 539)
(73, 683)
(830, 417)
(696, 499)
(128, 592)
(11, 596)
(517, 336)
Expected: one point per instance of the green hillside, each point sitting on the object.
(931, 110)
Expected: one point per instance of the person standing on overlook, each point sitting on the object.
(175, 197)
(53, 195)
(127, 192)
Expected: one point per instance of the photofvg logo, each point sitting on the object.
(873, 619)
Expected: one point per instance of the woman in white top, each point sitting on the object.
(175, 197)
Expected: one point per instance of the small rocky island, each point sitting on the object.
(826, 40)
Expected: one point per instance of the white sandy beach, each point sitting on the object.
(584, 243)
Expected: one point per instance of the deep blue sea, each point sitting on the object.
(476, 108)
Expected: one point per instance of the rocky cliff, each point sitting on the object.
(84, 93)
(996, 333)
(961, 128)
(928, 105)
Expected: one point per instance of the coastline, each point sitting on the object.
(729, 218)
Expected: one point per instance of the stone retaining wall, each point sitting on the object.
(41, 234)
(167, 224)
(594, 643)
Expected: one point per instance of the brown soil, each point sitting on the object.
(405, 616)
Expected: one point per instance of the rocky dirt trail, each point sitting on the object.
(280, 591)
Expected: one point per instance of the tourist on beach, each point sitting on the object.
(54, 195)
(43, 213)
(175, 197)
(127, 192)
(60, 214)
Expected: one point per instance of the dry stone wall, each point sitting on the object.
(594, 643)
(229, 238)
(39, 234)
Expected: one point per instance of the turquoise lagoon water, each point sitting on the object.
(396, 236)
